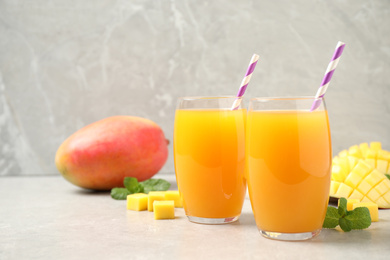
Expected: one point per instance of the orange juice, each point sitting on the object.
(289, 165)
(209, 153)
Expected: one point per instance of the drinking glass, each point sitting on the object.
(288, 155)
(209, 155)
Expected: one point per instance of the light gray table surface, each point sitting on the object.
(45, 217)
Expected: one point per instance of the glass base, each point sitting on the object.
(290, 236)
(212, 221)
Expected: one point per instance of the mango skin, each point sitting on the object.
(100, 155)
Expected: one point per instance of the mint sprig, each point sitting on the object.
(133, 186)
(348, 220)
(155, 184)
(119, 193)
(388, 176)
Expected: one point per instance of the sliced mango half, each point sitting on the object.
(360, 173)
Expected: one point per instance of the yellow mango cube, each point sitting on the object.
(382, 203)
(376, 146)
(383, 155)
(154, 196)
(375, 177)
(350, 203)
(386, 196)
(335, 160)
(338, 173)
(164, 209)
(137, 201)
(344, 191)
(372, 207)
(373, 195)
(356, 195)
(343, 153)
(364, 187)
(352, 161)
(383, 187)
(334, 185)
(355, 151)
(366, 199)
(344, 163)
(362, 168)
(381, 165)
(175, 196)
(353, 179)
(363, 148)
(371, 157)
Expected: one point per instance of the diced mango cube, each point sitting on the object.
(371, 161)
(350, 203)
(371, 154)
(383, 161)
(352, 161)
(335, 160)
(364, 187)
(383, 187)
(381, 165)
(376, 146)
(344, 163)
(382, 203)
(164, 209)
(372, 207)
(356, 195)
(353, 179)
(371, 157)
(338, 173)
(386, 196)
(344, 191)
(334, 185)
(175, 196)
(373, 195)
(365, 199)
(154, 196)
(362, 168)
(383, 155)
(375, 177)
(137, 201)
(363, 148)
(343, 153)
(355, 151)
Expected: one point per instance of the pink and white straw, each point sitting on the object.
(245, 81)
(328, 75)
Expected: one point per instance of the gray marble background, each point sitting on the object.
(65, 64)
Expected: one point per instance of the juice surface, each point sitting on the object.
(209, 153)
(289, 164)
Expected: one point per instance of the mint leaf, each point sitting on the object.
(155, 185)
(345, 224)
(348, 220)
(342, 207)
(119, 193)
(331, 218)
(387, 175)
(132, 185)
(359, 218)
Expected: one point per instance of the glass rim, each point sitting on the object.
(284, 98)
(208, 97)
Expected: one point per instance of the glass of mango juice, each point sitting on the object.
(288, 159)
(209, 156)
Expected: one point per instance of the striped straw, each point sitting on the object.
(245, 81)
(328, 75)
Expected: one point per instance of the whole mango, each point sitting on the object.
(101, 154)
